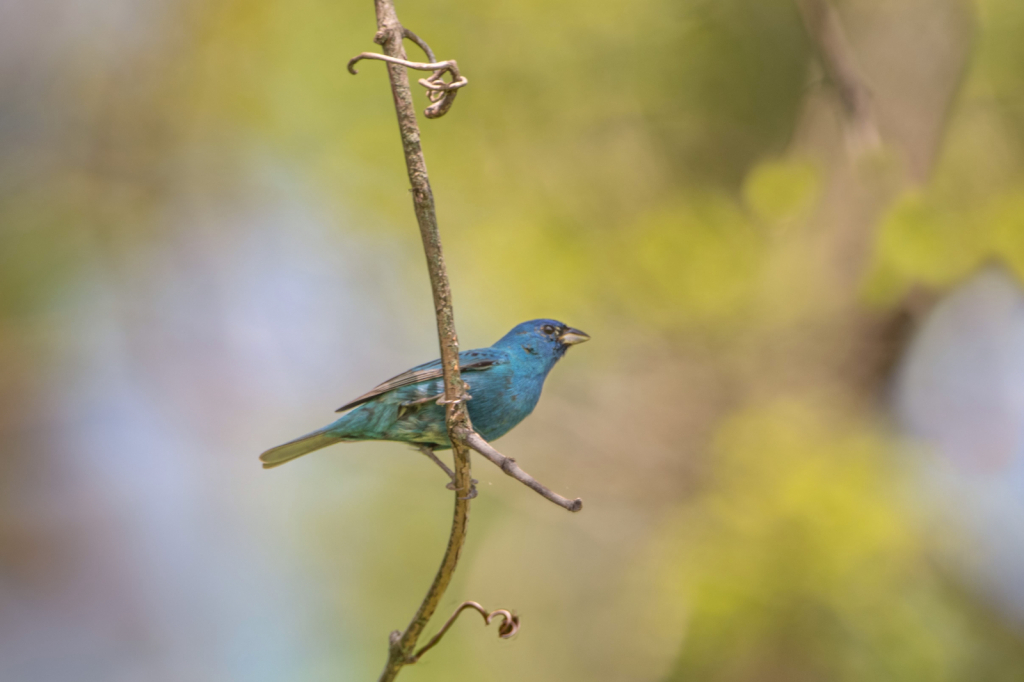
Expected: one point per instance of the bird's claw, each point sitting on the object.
(472, 489)
(461, 399)
(451, 484)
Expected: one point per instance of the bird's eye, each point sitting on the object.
(548, 329)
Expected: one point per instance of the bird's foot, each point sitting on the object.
(472, 488)
(451, 484)
(429, 452)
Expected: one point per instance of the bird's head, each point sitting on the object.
(544, 338)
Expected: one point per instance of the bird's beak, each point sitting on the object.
(570, 337)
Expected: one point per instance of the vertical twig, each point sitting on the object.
(389, 36)
(460, 431)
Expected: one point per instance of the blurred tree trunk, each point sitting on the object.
(891, 70)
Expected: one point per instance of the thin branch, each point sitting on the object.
(826, 30)
(508, 628)
(389, 35)
(509, 466)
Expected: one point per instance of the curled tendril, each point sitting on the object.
(508, 628)
(406, 33)
(440, 92)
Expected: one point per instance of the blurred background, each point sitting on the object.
(795, 231)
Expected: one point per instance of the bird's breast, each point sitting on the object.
(501, 402)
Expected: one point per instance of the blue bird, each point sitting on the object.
(504, 381)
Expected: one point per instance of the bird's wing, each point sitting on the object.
(469, 361)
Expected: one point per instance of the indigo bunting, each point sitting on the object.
(504, 382)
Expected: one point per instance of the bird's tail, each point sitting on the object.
(298, 447)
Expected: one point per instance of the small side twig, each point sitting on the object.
(475, 441)
(508, 628)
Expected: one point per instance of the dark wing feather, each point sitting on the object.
(469, 361)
